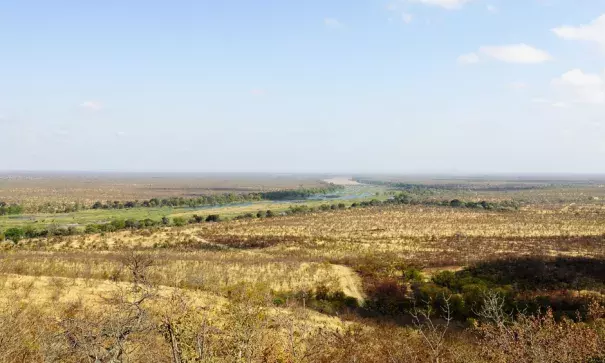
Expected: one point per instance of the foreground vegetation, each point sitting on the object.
(404, 278)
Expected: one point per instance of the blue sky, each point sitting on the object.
(462, 86)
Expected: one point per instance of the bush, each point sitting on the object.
(456, 203)
(91, 228)
(388, 296)
(131, 223)
(14, 234)
(118, 224)
(213, 218)
(179, 221)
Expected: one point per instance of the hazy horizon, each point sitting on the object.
(317, 174)
(371, 86)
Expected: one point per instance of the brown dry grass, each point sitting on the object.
(228, 273)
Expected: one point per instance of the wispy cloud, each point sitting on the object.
(470, 58)
(550, 103)
(516, 53)
(398, 8)
(92, 105)
(258, 92)
(513, 53)
(492, 9)
(446, 4)
(333, 23)
(581, 87)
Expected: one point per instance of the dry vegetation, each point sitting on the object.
(318, 287)
(32, 189)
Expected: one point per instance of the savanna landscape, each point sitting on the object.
(317, 269)
(343, 181)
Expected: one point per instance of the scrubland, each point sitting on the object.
(382, 283)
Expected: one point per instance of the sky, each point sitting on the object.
(403, 86)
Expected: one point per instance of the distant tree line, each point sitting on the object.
(432, 188)
(177, 202)
(16, 234)
(10, 209)
(408, 198)
(219, 199)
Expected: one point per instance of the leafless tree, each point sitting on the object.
(433, 333)
(105, 338)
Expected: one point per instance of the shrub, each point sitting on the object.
(213, 218)
(118, 224)
(91, 228)
(14, 234)
(179, 221)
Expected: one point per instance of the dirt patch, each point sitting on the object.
(350, 282)
(341, 181)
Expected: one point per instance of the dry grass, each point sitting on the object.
(229, 273)
(32, 189)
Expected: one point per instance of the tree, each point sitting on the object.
(456, 203)
(165, 221)
(107, 337)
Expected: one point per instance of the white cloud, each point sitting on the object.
(446, 4)
(120, 133)
(470, 58)
(516, 53)
(578, 78)
(593, 32)
(333, 23)
(92, 105)
(581, 87)
(258, 92)
(407, 18)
